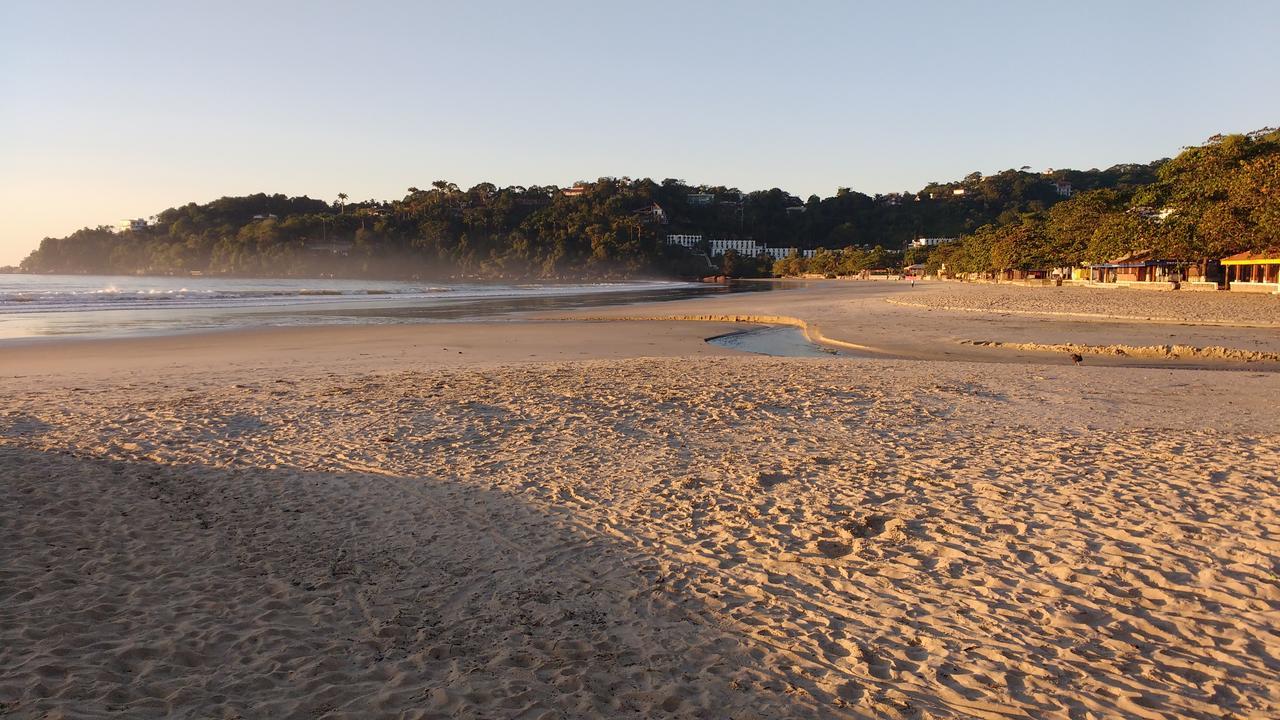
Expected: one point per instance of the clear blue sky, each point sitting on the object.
(121, 109)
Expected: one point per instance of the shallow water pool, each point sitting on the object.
(774, 340)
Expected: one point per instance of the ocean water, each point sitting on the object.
(44, 306)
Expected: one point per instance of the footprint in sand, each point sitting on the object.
(879, 525)
(768, 480)
(833, 548)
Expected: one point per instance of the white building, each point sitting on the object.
(701, 198)
(930, 242)
(748, 248)
(1063, 188)
(133, 224)
(1149, 213)
(652, 214)
(689, 241)
(779, 253)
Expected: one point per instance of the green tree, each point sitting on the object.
(1070, 225)
(730, 263)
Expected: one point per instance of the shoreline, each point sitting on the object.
(356, 348)
(864, 320)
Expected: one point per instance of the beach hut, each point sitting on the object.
(1137, 268)
(1253, 272)
(1024, 274)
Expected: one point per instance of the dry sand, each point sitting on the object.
(896, 320)
(1228, 308)
(336, 523)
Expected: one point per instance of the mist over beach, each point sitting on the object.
(711, 360)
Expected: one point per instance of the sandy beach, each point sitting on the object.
(584, 516)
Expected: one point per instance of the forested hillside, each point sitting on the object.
(1219, 198)
(1211, 201)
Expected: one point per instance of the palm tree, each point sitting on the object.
(342, 202)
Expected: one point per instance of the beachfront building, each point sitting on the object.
(748, 248)
(1137, 267)
(1024, 274)
(745, 248)
(684, 240)
(1253, 272)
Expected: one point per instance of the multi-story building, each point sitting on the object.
(689, 241)
(748, 248)
(701, 198)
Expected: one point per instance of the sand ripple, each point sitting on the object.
(698, 538)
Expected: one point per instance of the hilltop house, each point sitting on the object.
(652, 214)
(930, 242)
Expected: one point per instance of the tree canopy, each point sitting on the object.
(1211, 201)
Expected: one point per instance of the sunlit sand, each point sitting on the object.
(603, 519)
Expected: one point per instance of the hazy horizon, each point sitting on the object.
(124, 110)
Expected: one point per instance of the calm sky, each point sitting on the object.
(121, 109)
